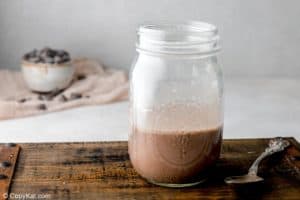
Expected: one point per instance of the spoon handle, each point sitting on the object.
(275, 145)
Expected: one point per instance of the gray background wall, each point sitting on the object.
(260, 38)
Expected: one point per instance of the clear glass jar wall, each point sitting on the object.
(176, 103)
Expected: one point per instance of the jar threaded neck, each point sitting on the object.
(179, 38)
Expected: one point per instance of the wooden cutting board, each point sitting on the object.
(102, 170)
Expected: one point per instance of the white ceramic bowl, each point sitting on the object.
(44, 77)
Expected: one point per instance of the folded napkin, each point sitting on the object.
(92, 85)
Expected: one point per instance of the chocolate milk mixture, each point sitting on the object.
(177, 156)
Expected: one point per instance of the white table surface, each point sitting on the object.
(253, 109)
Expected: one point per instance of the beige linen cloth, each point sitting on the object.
(98, 86)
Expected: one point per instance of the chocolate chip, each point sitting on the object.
(42, 107)
(31, 54)
(61, 53)
(26, 56)
(3, 176)
(63, 98)
(23, 100)
(47, 55)
(81, 77)
(74, 96)
(51, 53)
(5, 164)
(67, 54)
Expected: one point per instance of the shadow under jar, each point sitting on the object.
(176, 103)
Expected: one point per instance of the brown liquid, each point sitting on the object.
(174, 157)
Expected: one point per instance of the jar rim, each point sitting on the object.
(190, 37)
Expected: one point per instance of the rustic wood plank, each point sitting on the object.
(102, 170)
(8, 158)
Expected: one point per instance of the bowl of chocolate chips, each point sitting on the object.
(47, 69)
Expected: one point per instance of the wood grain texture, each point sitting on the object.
(9, 154)
(102, 170)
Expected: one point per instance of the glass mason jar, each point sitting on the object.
(176, 103)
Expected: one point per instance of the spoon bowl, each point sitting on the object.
(275, 145)
(243, 179)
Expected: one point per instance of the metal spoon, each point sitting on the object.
(275, 145)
